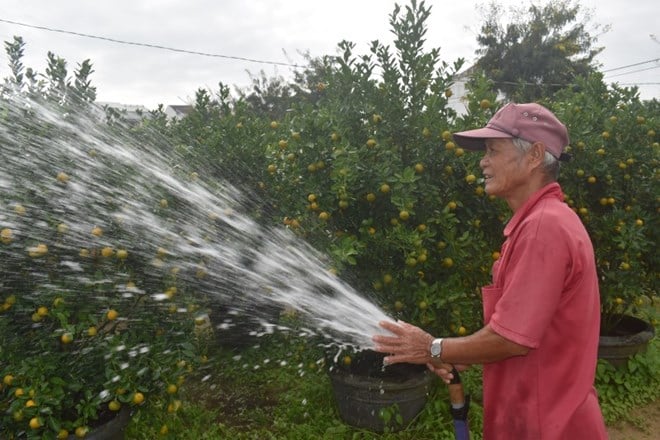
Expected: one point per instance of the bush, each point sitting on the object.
(362, 164)
(92, 316)
(613, 185)
(369, 173)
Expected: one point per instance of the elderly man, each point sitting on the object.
(540, 338)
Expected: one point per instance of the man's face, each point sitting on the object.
(504, 169)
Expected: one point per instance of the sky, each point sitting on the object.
(274, 31)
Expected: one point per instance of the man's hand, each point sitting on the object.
(408, 344)
(444, 371)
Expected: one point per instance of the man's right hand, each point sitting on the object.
(444, 371)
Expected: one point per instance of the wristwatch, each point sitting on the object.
(436, 348)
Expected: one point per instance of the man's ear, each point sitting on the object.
(537, 152)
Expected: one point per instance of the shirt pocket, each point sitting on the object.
(490, 296)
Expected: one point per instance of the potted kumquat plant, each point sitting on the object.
(94, 323)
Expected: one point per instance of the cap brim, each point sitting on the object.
(476, 139)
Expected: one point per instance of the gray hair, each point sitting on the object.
(550, 163)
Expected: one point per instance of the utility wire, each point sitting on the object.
(513, 83)
(153, 46)
(631, 65)
(634, 71)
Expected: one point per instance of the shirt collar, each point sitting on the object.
(550, 190)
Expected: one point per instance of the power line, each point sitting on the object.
(632, 65)
(153, 46)
(513, 83)
(634, 71)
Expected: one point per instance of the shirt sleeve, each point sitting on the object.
(533, 283)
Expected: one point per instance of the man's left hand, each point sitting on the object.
(408, 344)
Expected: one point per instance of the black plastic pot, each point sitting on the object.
(366, 389)
(628, 337)
(110, 430)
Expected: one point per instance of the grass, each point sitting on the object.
(276, 390)
(279, 389)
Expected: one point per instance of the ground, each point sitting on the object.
(645, 425)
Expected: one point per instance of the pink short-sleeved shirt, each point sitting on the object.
(544, 296)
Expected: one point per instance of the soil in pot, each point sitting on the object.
(368, 394)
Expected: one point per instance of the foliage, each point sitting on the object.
(358, 173)
(362, 165)
(542, 50)
(612, 183)
(270, 97)
(222, 140)
(81, 335)
(622, 389)
(54, 86)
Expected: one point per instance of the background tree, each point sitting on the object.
(272, 97)
(268, 96)
(543, 49)
(56, 85)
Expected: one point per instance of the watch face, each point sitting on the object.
(435, 348)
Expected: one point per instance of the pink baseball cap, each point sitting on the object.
(531, 122)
